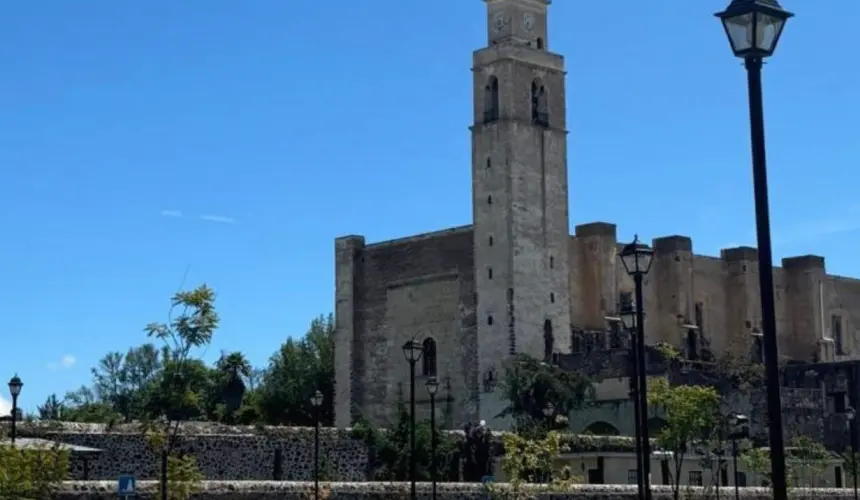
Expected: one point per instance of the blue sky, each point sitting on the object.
(272, 127)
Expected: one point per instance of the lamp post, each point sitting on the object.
(413, 351)
(432, 387)
(628, 318)
(636, 258)
(754, 28)
(316, 402)
(548, 412)
(15, 386)
(850, 414)
(738, 425)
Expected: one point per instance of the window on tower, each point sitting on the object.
(540, 43)
(491, 100)
(540, 111)
(429, 361)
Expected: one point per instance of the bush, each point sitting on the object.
(32, 473)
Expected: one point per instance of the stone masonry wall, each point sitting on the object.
(270, 490)
(240, 453)
(222, 452)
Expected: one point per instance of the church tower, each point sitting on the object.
(519, 188)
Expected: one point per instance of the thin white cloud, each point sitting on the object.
(171, 213)
(5, 407)
(66, 361)
(218, 218)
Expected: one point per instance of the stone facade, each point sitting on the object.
(259, 490)
(517, 281)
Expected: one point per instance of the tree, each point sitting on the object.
(297, 370)
(32, 472)
(530, 385)
(178, 397)
(52, 409)
(691, 417)
(389, 450)
(229, 388)
(805, 460)
(528, 460)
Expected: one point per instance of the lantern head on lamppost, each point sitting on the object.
(432, 386)
(548, 410)
(412, 349)
(636, 258)
(627, 313)
(317, 399)
(15, 386)
(753, 27)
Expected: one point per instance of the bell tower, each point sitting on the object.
(519, 188)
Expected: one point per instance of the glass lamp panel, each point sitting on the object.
(767, 32)
(740, 32)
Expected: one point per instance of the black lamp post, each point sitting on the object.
(753, 28)
(413, 351)
(316, 402)
(628, 318)
(549, 412)
(432, 387)
(636, 258)
(738, 425)
(852, 428)
(15, 386)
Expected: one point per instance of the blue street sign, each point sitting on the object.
(126, 486)
(488, 479)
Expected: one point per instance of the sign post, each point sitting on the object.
(126, 487)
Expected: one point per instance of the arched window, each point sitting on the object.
(491, 100)
(429, 358)
(602, 429)
(548, 340)
(540, 111)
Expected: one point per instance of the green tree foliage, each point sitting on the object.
(295, 372)
(530, 386)
(170, 382)
(805, 461)
(692, 415)
(31, 473)
(52, 409)
(527, 461)
(388, 451)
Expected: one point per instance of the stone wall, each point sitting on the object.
(271, 490)
(240, 453)
(222, 452)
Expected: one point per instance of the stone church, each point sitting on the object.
(517, 280)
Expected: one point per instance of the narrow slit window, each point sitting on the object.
(489, 200)
(552, 297)
(491, 241)
(490, 320)
(490, 273)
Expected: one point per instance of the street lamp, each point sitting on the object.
(432, 387)
(413, 350)
(548, 412)
(850, 414)
(15, 386)
(316, 402)
(627, 312)
(738, 425)
(636, 258)
(753, 28)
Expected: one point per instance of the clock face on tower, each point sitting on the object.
(528, 21)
